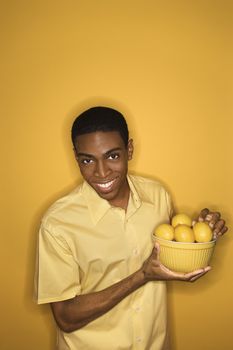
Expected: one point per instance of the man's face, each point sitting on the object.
(103, 162)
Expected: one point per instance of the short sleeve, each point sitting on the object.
(57, 273)
(170, 207)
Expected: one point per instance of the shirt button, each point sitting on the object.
(135, 251)
(139, 339)
(137, 309)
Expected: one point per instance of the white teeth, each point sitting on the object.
(106, 185)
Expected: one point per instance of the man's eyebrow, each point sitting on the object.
(84, 155)
(113, 150)
(92, 156)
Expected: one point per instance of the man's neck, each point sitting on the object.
(122, 202)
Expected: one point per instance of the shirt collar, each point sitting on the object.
(139, 194)
(98, 206)
(134, 198)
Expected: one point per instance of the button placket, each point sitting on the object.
(132, 241)
(137, 308)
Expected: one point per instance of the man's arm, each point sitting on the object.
(75, 313)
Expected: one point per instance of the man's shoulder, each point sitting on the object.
(146, 183)
(149, 189)
(63, 205)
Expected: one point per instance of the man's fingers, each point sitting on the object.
(224, 230)
(194, 275)
(194, 278)
(201, 217)
(219, 225)
(219, 228)
(204, 212)
(156, 251)
(212, 219)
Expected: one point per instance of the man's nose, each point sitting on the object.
(102, 169)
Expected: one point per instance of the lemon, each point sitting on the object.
(184, 233)
(165, 231)
(181, 219)
(202, 232)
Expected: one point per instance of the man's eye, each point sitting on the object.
(113, 156)
(86, 161)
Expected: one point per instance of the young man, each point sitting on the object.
(98, 266)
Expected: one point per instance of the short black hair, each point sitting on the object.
(100, 119)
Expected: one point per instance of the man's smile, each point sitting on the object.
(106, 185)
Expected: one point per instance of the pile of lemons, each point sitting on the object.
(181, 230)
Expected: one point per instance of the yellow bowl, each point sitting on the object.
(185, 257)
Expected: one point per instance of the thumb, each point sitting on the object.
(156, 251)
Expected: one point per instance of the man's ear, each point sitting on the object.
(130, 149)
(75, 153)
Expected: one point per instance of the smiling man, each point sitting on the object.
(97, 264)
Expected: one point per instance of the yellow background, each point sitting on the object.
(168, 66)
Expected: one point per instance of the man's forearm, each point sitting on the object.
(75, 313)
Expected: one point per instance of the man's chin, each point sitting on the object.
(108, 195)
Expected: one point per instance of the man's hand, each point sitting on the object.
(154, 270)
(216, 223)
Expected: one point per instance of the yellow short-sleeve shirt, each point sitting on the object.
(86, 245)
